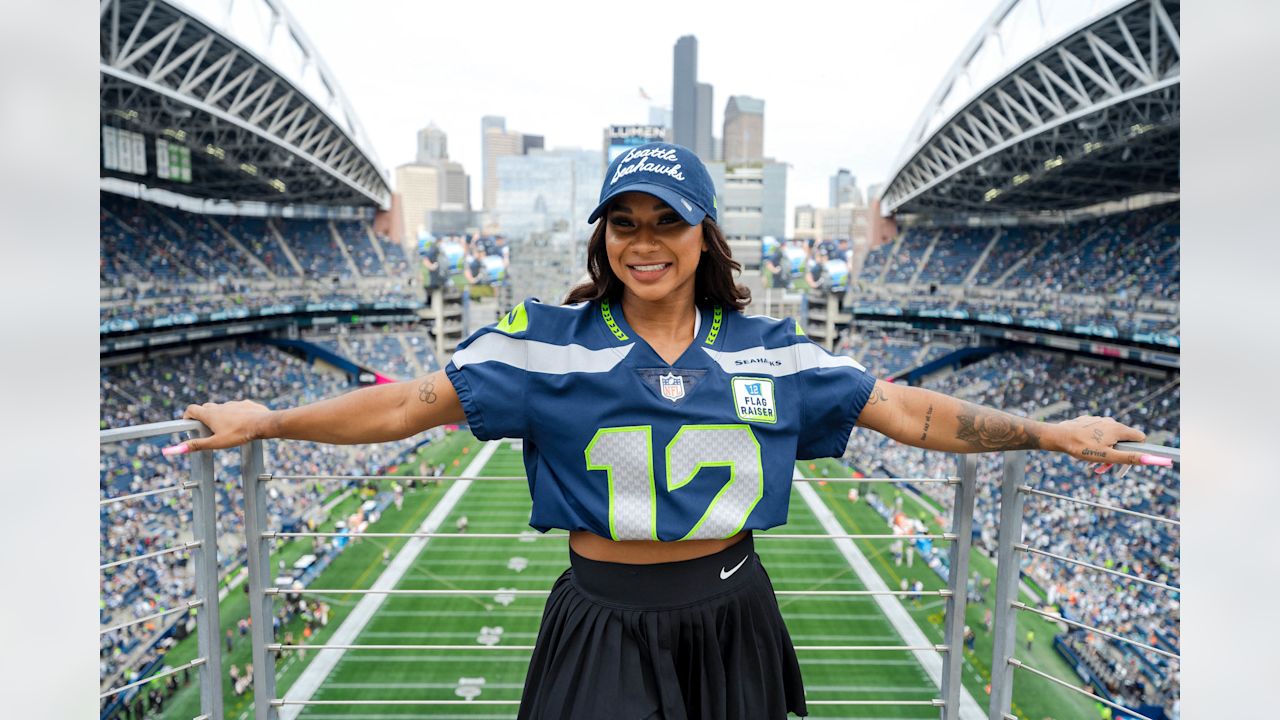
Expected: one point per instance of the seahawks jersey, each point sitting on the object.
(622, 444)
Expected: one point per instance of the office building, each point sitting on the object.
(753, 204)
(743, 130)
(433, 145)
(684, 95)
(419, 190)
(704, 141)
(496, 142)
(541, 206)
(844, 190)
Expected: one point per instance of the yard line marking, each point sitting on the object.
(930, 660)
(311, 679)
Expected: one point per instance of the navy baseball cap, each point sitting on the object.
(672, 173)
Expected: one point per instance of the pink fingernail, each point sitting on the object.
(179, 449)
(1156, 460)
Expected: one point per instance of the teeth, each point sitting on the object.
(649, 268)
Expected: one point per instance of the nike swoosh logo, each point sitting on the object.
(724, 574)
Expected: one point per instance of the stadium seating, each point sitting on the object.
(1050, 387)
(1116, 275)
(160, 262)
(158, 390)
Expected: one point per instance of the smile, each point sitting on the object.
(650, 268)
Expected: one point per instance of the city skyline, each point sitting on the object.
(830, 107)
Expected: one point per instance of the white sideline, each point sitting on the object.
(326, 660)
(890, 605)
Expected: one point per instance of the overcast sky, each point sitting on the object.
(842, 81)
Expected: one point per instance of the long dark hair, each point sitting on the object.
(713, 283)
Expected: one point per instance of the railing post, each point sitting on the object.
(953, 634)
(258, 550)
(204, 520)
(1007, 576)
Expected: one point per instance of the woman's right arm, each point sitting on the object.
(374, 414)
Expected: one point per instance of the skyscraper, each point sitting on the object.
(743, 130)
(496, 142)
(704, 142)
(844, 189)
(433, 145)
(684, 96)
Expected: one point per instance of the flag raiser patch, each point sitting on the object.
(753, 399)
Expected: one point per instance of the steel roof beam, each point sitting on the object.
(1130, 55)
(176, 56)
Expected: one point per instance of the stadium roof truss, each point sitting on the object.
(1094, 116)
(253, 134)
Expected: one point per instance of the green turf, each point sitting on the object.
(1033, 698)
(357, 567)
(485, 563)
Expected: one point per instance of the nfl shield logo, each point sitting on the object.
(672, 386)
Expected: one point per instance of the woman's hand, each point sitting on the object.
(1090, 438)
(933, 421)
(233, 424)
(373, 414)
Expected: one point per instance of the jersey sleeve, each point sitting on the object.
(833, 390)
(489, 373)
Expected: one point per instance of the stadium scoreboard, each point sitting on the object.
(126, 151)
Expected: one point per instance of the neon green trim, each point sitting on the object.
(799, 330)
(733, 476)
(515, 321)
(717, 316)
(608, 469)
(608, 320)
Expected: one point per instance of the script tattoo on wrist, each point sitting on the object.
(427, 391)
(1093, 453)
(986, 430)
(928, 418)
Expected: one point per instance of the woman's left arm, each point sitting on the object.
(933, 421)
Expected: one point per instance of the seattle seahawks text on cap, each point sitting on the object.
(669, 172)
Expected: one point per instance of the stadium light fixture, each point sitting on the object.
(1091, 146)
(991, 194)
(278, 184)
(216, 151)
(179, 135)
(249, 169)
(1053, 162)
(1019, 179)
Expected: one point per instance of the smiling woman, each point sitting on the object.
(662, 427)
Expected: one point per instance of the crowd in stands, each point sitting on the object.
(1051, 387)
(399, 352)
(158, 262)
(1117, 273)
(158, 390)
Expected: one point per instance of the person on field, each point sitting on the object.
(661, 428)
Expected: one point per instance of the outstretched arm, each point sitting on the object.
(933, 421)
(379, 413)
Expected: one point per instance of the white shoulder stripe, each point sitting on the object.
(780, 362)
(539, 357)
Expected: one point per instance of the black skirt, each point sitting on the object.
(700, 639)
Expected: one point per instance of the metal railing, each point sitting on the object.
(1012, 501)
(262, 591)
(204, 563)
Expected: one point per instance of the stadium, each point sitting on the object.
(1027, 258)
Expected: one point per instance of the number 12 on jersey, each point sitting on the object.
(625, 454)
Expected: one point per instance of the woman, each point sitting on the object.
(661, 427)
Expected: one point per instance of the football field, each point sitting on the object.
(492, 622)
